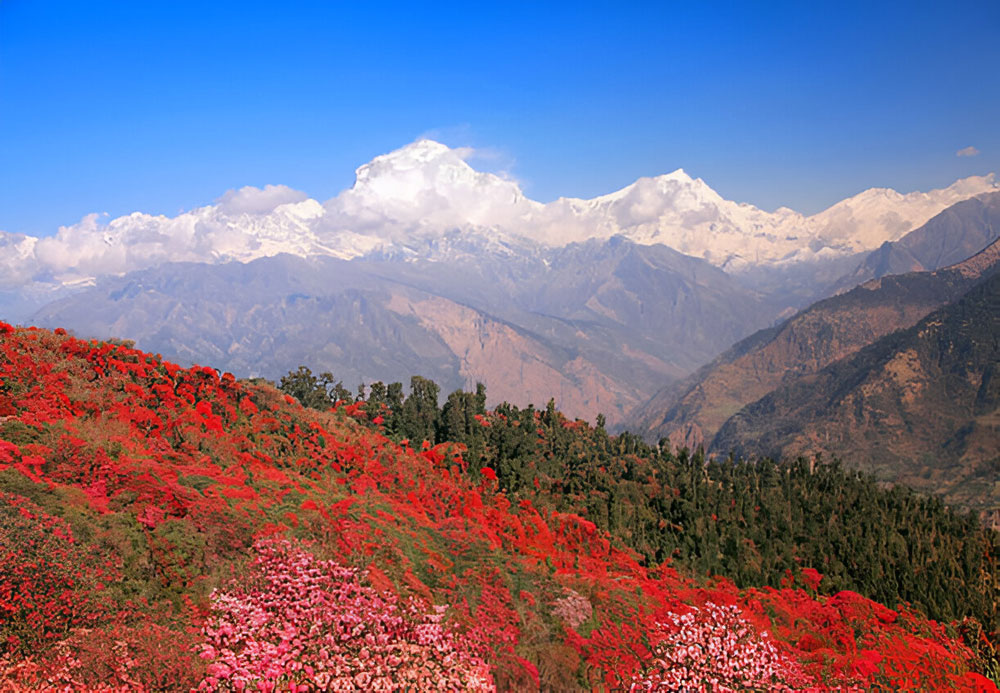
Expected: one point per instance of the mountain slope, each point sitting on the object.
(920, 406)
(172, 528)
(268, 316)
(948, 238)
(593, 325)
(691, 411)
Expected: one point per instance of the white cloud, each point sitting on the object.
(493, 160)
(251, 200)
(17, 259)
(94, 247)
(426, 185)
(487, 160)
(967, 151)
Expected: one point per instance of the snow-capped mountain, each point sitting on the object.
(425, 199)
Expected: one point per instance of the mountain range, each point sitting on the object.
(427, 266)
(408, 200)
(577, 324)
(897, 375)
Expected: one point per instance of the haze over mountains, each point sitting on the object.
(578, 324)
(427, 266)
(898, 375)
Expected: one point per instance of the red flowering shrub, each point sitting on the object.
(115, 658)
(170, 473)
(299, 623)
(47, 580)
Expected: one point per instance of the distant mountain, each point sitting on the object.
(594, 325)
(691, 411)
(407, 202)
(920, 406)
(948, 238)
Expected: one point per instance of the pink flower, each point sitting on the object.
(314, 624)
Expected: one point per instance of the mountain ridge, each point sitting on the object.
(922, 402)
(579, 319)
(423, 191)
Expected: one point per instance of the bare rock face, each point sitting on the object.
(688, 436)
(515, 367)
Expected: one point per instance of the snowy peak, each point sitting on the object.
(425, 186)
(676, 210)
(427, 168)
(412, 169)
(967, 187)
(425, 198)
(868, 219)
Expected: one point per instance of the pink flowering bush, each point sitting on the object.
(715, 649)
(299, 623)
(572, 608)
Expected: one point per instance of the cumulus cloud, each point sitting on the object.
(17, 259)
(967, 151)
(489, 160)
(425, 185)
(493, 160)
(96, 246)
(92, 248)
(251, 200)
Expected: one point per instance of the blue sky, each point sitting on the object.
(163, 106)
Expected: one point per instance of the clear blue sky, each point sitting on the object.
(160, 106)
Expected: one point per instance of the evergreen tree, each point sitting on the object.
(420, 410)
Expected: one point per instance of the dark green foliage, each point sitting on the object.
(420, 411)
(416, 417)
(458, 417)
(317, 393)
(752, 522)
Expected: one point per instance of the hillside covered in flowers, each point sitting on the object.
(164, 528)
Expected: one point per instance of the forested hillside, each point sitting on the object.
(919, 406)
(166, 528)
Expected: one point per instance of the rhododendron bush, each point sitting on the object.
(715, 648)
(169, 528)
(47, 580)
(296, 622)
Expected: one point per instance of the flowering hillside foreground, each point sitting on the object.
(173, 529)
